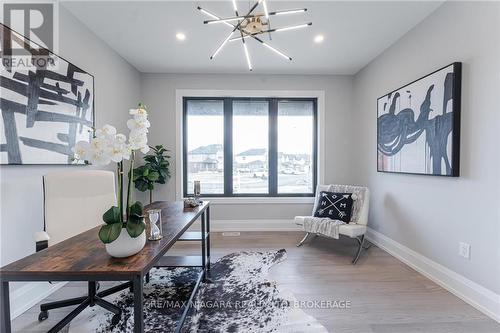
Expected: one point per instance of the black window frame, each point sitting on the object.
(272, 146)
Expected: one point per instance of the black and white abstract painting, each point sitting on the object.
(44, 111)
(418, 125)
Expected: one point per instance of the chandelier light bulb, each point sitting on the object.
(292, 11)
(247, 56)
(294, 27)
(266, 12)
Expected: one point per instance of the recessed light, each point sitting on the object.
(180, 36)
(319, 39)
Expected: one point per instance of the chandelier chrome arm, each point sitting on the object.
(206, 12)
(236, 18)
(245, 49)
(235, 28)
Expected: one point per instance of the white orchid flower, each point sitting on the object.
(108, 145)
(99, 157)
(127, 151)
(99, 143)
(139, 112)
(138, 125)
(81, 150)
(121, 138)
(138, 141)
(119, 150)
(105, 131)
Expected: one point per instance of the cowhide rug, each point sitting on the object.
(239, 298)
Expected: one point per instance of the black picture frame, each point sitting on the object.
(451, 121)
(5, 34)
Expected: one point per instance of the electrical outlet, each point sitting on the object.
(464, 250)
(231, 234)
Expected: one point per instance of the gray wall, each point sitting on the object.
(431, 215)
(159, 96)
(117, 89)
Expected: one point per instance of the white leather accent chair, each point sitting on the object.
(74, 202)
(356, 228)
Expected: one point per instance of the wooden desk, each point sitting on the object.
(84, 258)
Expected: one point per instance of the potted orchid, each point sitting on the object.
(124, 230)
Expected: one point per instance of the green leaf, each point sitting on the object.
(112, 215)
(135, 219)
(136, 208)
(141, 185)
(135, 215)
(110, 232)
(135, 229)
(153, 176)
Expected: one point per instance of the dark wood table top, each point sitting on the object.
(84, 256)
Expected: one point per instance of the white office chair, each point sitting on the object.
(359, 218)
(74, 202)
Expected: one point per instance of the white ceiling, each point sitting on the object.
(143, 32)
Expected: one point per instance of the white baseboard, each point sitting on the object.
(483, 299)
(26, 296)
(251, 225)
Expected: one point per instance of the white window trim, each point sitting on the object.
(181, 93)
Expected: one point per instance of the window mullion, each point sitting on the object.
(273, 147)
(184, 148)
(228, 147)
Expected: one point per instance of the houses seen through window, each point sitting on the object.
(205, 143)
(250, 143)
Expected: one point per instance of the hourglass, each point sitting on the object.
(155, 232)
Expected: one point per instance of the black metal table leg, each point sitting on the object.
(190, 302)
(208, 237)
(138, 304)
(5, 306)
(203, 243)
(92, 287)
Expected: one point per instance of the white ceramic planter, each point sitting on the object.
(126, 246)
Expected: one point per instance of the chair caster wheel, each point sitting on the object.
(116, 319)
(43, 315)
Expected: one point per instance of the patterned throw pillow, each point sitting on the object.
(337, 206)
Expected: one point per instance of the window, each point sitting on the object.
(205, 143)
(295, 146)
(250, 146)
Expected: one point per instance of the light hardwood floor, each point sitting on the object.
(386, 296)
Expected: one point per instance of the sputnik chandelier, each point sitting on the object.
(252, 25)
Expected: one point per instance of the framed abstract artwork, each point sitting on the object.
(44, 111)
(418, 125)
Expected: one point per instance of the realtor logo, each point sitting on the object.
(28, 34)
